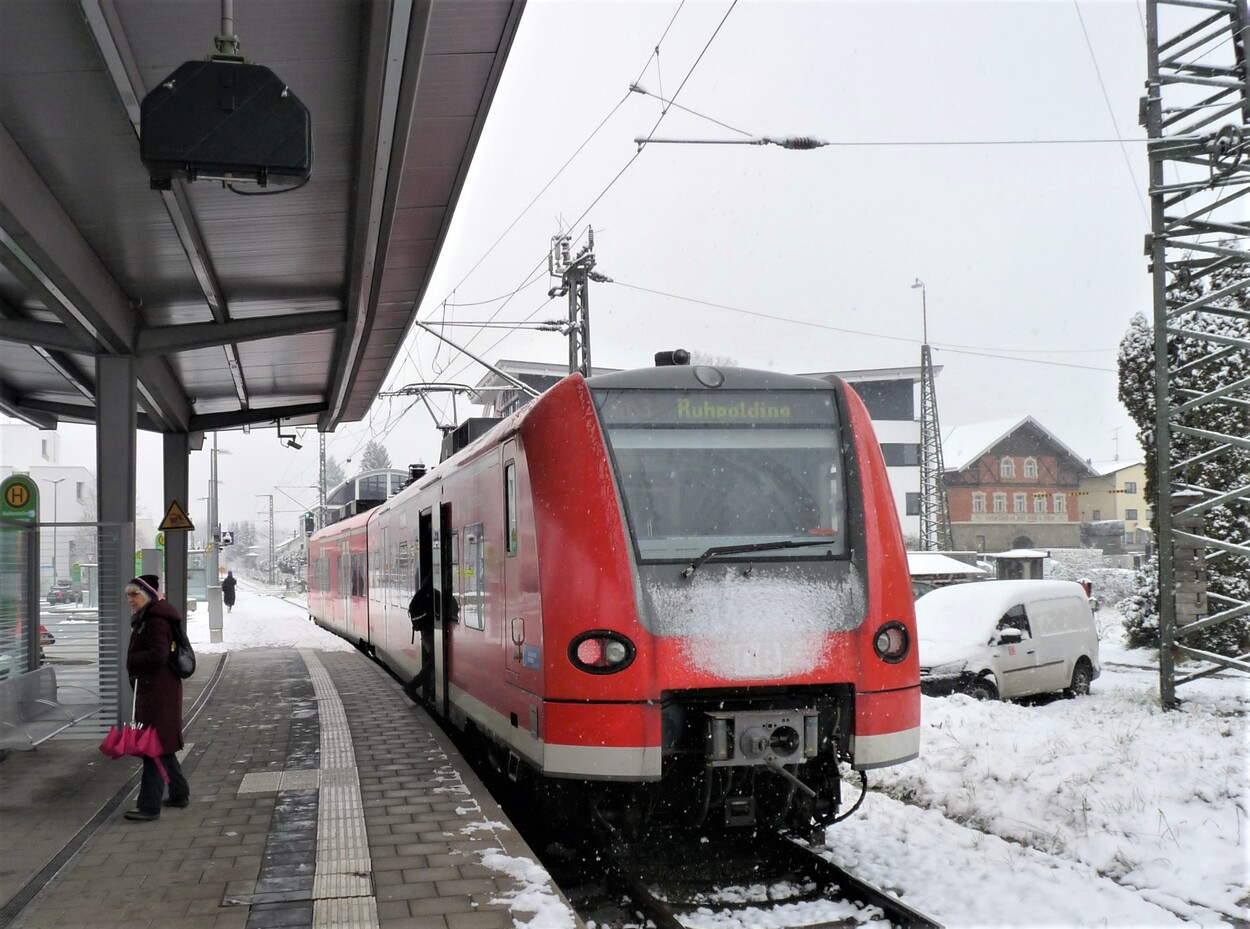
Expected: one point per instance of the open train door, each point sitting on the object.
(427, 555)
(443, 565)
(514, 623)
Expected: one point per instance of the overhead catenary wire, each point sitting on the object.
(618, 175)
(496, 321)
(857, 332)
(1110, 110)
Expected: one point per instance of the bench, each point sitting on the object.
(33, 709)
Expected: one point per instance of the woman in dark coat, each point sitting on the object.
(158, 694)
(227, 590)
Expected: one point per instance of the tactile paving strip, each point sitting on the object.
(343, 895)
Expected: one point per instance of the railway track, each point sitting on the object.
(764, 880)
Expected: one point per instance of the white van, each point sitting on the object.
(1006, 639)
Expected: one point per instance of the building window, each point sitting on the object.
(1030, 467)
(1061, 503)
(1130, 487)
(913, 504)
(900, 454)
(1039, 503)
(1000, 503)
(893, 400)
(1149, 514)
(1006, 468)
(1097, 515)
(1019, 503)
(978, 503)
(1130, 515)
(78, 490)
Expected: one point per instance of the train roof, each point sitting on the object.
(699, 377)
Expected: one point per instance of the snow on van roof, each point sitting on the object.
(991, 598)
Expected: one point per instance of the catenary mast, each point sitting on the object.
(1197, 115)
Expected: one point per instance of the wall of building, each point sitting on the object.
(1119, 495)
(900, 441)
(1003, 537)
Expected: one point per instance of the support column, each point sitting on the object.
(177, 481)
(116, 431)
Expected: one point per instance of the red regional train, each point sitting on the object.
(683, 596)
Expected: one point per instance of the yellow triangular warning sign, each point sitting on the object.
(175, 518)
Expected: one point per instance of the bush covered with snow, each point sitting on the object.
(1111, 585)
(1141, 608)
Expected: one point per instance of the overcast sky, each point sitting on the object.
(972, 145)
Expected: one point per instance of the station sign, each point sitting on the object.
(19, 499)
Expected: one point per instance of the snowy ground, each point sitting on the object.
(1101, 811)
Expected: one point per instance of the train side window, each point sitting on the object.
(359, 587)
(403, 571)
(510, 504)
(473, 603)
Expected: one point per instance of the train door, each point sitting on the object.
(443, 598)
(425, 553)
(514, 623)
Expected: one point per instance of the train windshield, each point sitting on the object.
(698, 470)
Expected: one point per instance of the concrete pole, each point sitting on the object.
(212, 575)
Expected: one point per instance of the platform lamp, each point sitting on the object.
(55, 507)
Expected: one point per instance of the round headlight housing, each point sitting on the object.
(892, 642)
(601, 651)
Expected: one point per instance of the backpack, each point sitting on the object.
(181, 654)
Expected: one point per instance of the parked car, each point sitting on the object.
(63, 592)
(1007, 639)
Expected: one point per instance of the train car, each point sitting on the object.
(683, 596)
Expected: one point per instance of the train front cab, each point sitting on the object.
(838, 646)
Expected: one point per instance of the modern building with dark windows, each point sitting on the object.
(363, 491)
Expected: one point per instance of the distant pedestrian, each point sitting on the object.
(227, 590)
(158, 694)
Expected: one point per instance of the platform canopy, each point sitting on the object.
(238, 309)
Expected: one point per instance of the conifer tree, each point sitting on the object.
(1193, 374)
(375, 457)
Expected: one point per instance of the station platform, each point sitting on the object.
(320, 796)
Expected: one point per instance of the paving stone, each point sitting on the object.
(416, 797)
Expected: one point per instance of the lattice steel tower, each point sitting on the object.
(935, 519)
(1197, 116)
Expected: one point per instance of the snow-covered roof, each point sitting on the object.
(875, 374)
(1107, 468)
(1019, 553)
(963, 445)
(931, 564)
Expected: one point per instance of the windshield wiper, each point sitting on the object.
(750, 547)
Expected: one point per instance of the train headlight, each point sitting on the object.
(892, 643)
(601, 652)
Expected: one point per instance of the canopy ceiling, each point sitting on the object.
(238, 309)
